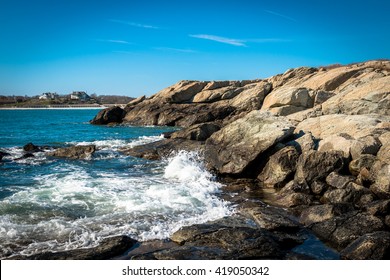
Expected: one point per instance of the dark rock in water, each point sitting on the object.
(164, 148)
(237, 145)
(74, 152)
(229, 238)
(233, 237)
(26, 155)
(344, 229)
(371, 246)
(109, 248)
(109, 115)
(198, 132)
(279, 167)
(30, 147)
(316, 165)
(3, 154)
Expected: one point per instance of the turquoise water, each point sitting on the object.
(51, 204)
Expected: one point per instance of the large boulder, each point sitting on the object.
(109, 115)
(279, 167)
(371, 246)
(354, 125)
(181, 92)
(370, 96)
(236, 146)
(344, 229)
(316, 166)
(74, 152)
(287, 100)
(199, 132)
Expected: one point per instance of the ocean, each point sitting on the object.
(52, 204)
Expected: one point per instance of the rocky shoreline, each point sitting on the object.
(301, 153)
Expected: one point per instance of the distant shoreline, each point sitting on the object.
(62, 107)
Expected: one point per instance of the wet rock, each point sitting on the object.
(113, 114)
(229, 238)
(74, 152)
(294, 187)
(280, 167)
(164, 148)
(198, 132)
(272, 218)
(371, 246)
(315, 166)
(236, 146)
(26, 155)
(319, 213)
(31, 148)
(3, 154)
(109, 248)
(342, 230)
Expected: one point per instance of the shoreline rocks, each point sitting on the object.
(316, 140)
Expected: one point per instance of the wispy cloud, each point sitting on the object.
(175, 50)
(116, 42)
(224, 40)
(135, 24)
(280, 15)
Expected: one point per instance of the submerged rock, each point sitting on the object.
(109, 248)
(30, 147)
(74, 152)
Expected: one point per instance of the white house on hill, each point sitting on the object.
(48, 95)
(79, 95)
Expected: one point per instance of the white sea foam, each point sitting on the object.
(73, 208)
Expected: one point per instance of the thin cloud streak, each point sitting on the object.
(280, 15)
(135, 24)
(116, 42)
(224, 40)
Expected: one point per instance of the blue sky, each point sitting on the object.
(139, 47)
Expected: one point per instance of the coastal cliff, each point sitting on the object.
(316, 140)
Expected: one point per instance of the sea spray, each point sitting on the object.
(78, 203)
